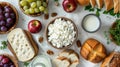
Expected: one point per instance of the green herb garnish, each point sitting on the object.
(4, 45)
(97, 13)
(26, 64)
(106, 34)
(115, 32)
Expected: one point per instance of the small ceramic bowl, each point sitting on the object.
(89, 17)
(51, 22)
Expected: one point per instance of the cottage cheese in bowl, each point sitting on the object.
(61, 33)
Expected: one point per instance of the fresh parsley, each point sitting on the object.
(115, 32)
(3, 45)
(106, 34)
(26, 64)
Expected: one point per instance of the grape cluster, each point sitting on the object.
(34, 6)
(7, 18)
(6, 62)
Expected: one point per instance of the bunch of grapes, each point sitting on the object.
(34, 6)
(7, 18)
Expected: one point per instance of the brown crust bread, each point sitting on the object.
(93, 3)
(84, 2)
(113, 60)
(92, 50)
(116, 6)
(109, 4)
(100, 3)
(34, 45)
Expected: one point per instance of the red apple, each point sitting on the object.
(69, 5)
(34, 26)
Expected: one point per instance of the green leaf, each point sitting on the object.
(98, 9)
(4, 45)
(26, 64)
(97, 13)
(88, 7)
(92, 9)
(111, 12)
(105, 12)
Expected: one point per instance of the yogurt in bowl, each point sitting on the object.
(91, 23)
(41, 61)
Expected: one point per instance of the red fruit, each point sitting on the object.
(5, 60)
(34, 26)
(1, 57)
(69, 5)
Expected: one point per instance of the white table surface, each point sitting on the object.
(77, 17)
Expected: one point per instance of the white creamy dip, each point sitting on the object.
(41, 61)
(91, 23)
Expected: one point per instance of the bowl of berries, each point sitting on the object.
(7, 60)
(34, 7)
(8, 17)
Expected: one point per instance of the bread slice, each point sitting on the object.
(100, 3)
(22, 45)
(93, 3)
(108, 4)
(84, 2)
(107, 60)
(71, 55)
(116, 6)
(62, 62)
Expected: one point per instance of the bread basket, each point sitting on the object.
(51, 22)
(32, 15)
(16, 13)
(14, 60)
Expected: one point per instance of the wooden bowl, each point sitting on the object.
(16, 13)
(33, 15)
(111, 36)
(51, 22)
(14, 60)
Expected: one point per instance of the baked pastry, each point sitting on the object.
(108, 4)
(113, 60)
(67, 56)
(84, 2)
(93, 51)
(93, 3)
(116, 6)
(100, 3)
(22, 44)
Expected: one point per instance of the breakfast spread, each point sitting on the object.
(41, 61)
(113, 60)
(22, 44)
(8, 17)
(34, 7)
(93, 51)
(67, 58)
(89, 24)
(65, 36)
(61, 32)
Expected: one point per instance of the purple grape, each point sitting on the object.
(12, 15)
(2, 23)
(8, 25)
(3, 28)
(7, 15)
(7, 9)
(1, 11)
(12, 66)
(6, 65)
(9, 20)
(2, 17)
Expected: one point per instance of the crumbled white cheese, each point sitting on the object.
(61, 33)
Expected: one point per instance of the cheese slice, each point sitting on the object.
(21, 45)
